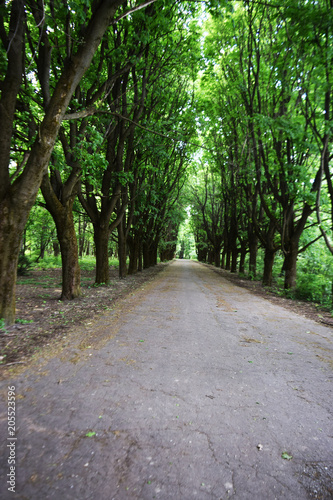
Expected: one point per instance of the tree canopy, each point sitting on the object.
(130, 114)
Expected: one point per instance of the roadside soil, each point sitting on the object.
(42, 319)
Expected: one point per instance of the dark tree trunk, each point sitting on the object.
(268, 267)
(253, 249)
(149, 254)
(243, 253)
(69, 255)
(11, 231)
(290, 268)
(62, 214)
(210, 256)
(217, 256)
(56, 248)
(122, 253)
(134, 251)
(227, 260)
(201, 254)
(291, 243)
(223, 259)
(101, 240)
(82, 235)
(234, 255)
(140, 263)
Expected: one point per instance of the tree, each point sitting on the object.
(19, 183)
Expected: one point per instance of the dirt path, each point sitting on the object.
(190, 388)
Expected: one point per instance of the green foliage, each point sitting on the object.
(23, 321)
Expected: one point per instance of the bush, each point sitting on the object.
(313, 287)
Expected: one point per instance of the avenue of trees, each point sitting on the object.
(265, 106)
(91, 94)
(117, 115)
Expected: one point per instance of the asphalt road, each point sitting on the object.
(190, 388)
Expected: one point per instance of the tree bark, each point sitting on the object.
(290, 267)
(243, 253)
(62, 214)
(71, 287)
(134, 253)
(227, 260)
(268, 267)
(101, 240)
(122, 251)
(234, 255)
(217, 257)
(253, 252)
(11, 230)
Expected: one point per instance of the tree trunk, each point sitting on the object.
(253, 249)
(82, 235)
(227, 260)
(11, 232)
(210, 256)
(217, 256)
(122, 254)
(149, 254)
(71, 287)
(62, 214)
(242, 259)
(56, 248)
(268, 267)
(134, 251)
(290, 265)
(234, 255)
(101, 240)
(223, 259)
(140, 262)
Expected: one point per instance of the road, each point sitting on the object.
(190, 388)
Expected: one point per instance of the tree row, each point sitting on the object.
(95, 106)
(266, 114)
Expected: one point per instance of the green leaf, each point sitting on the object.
(286, 456)
(91, 434)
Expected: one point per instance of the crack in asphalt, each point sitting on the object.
(167, 403)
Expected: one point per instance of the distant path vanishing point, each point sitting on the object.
(199, 390)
